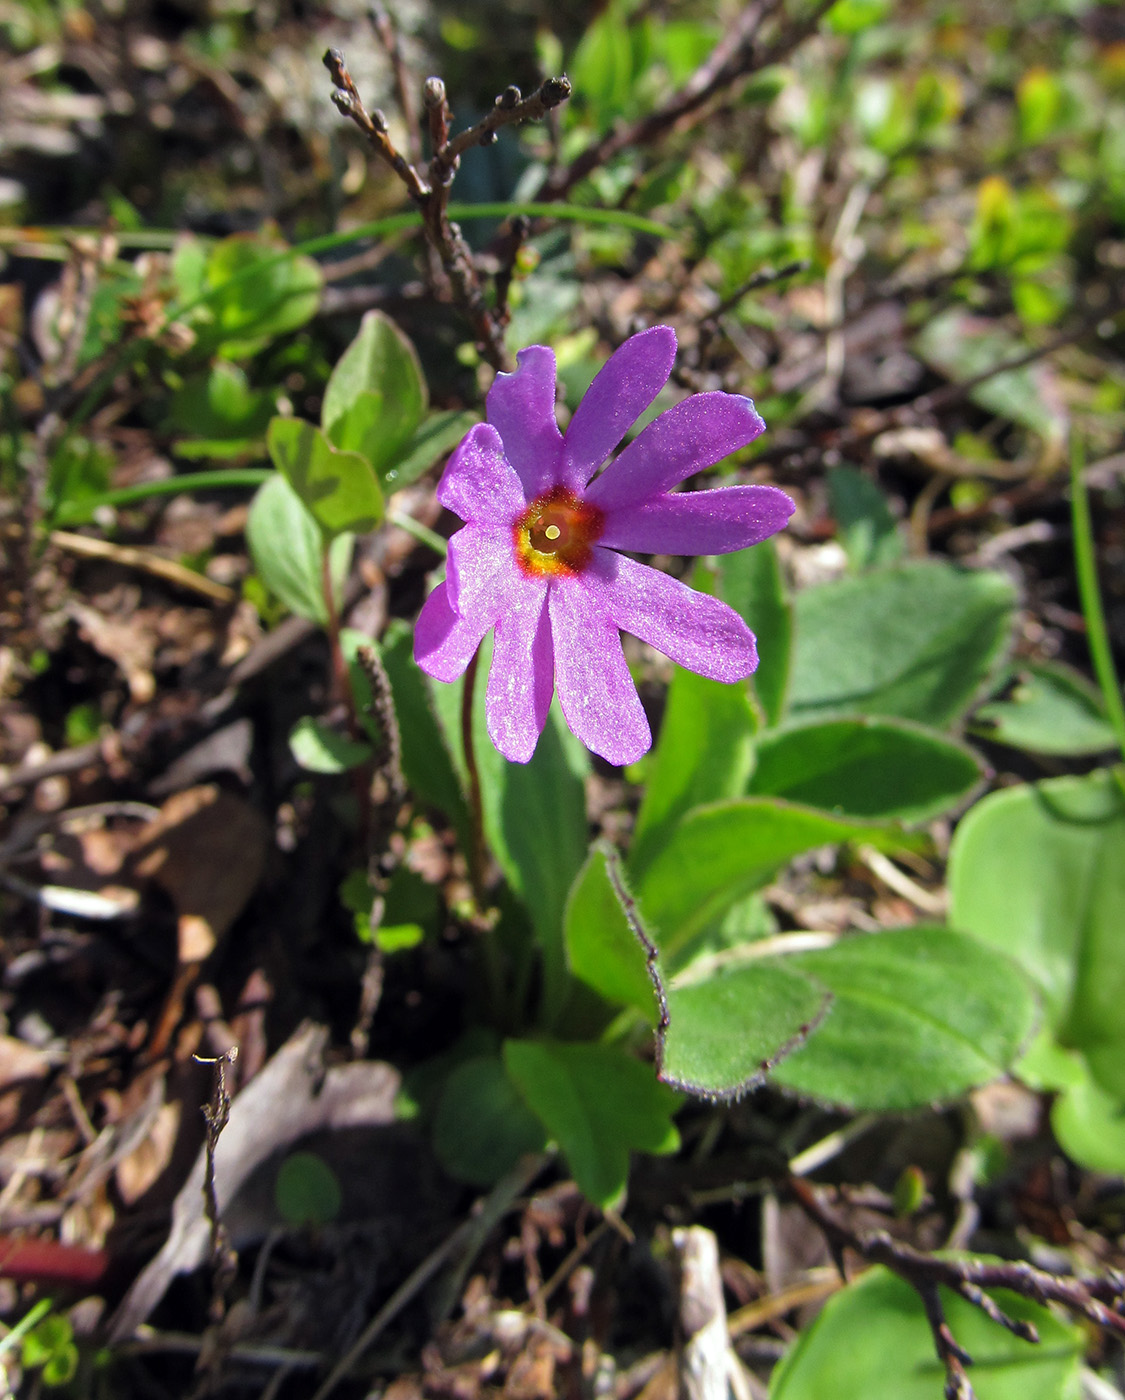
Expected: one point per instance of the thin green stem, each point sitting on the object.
(78, 512)
(422, 533)
(1085, 566)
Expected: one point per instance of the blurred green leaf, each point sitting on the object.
(597, 1103)
(883, 770)
(867, 529)
(872, 1340)
(481, 1124)
(218, 404)
(320, 749)
(254, 296)
(338, 488)
(750, 581)
(917, 641)
(1052, 709)
(918, 1015)
(306, 1190)
(288, 551)
(1036, 871)
(962, 346)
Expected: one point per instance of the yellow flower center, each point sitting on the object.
(555, 533)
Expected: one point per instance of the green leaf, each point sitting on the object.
(723, 851)
(320, 749)
(917, 641)
(750, 581)
(426, 762)
(872, 1340)
(1036, 871)
(307, 1190)
(255, 296)
(534, 820)
(918, 1015)
(705, 752)
(601, 946)
(876, 769)
(867, 529)
(288, 549)
(218, 404)
(597, 1104)
(437, 435)
(339, 488)
(481, 1124)
(1052, 710)
(1090, 1125)
(962, 346)
(376, 396)
(724, 1034)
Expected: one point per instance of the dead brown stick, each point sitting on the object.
(431, 194)
(1096, 1300)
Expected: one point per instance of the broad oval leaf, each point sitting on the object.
(376, 396)
(917, 641)
(338, 488)
(872, 1342)
(256, 290)
(1052, 709)
(882, 769)
(598, 1103)
(918, 1015)
(1039, 872)
(319, 749)
(481, 1125)
(288, 551)
(725, 1034)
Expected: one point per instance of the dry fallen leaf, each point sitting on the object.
(293, 1096)
(207, 850)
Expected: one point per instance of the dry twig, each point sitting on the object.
(1099, 1301)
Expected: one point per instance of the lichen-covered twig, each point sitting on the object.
(1099, 1301)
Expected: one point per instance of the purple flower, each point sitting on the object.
(537, 558)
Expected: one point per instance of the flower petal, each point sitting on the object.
(479, 483)
(622, 389)
(596, 691)
(521, 679)
(694, 434)
(694, 629)
(521, 407)
(444, 643)
(482, 575)
(699, 522)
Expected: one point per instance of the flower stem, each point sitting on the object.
(1085, 566)
(476, 803)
